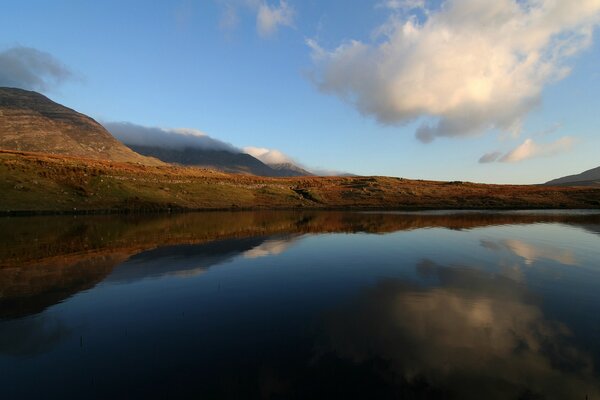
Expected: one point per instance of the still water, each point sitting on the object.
(276, 305)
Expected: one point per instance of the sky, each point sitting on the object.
(499, 92)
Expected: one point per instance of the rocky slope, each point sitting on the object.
(30, 121)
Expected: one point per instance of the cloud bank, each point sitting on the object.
(171, 138)
(31, 69)
(466, 67)
(529, 149)
(183, 138)
(268, 156)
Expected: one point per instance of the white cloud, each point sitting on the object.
(490, 157)
(229, 18)
(401, 4)
(269, 18)
(530, 149)
(182, 138)
(29, 68)
(171, 138)
(467, 67)
(268, 156)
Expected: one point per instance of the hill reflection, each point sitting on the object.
(44, 260)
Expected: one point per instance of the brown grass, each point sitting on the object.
(36, 182)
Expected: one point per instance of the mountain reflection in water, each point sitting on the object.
(301, 305)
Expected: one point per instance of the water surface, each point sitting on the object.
(277, 305)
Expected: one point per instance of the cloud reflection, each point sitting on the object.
(271, 247)
(532, 252)
(476, 336)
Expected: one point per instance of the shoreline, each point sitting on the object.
(382, 210)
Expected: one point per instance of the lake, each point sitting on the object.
(302, 305)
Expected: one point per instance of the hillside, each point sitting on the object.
(289, 169)
(222, 160)
(30, 121)
(33, 182)
(591, 177)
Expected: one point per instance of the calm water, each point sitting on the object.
(301, 305)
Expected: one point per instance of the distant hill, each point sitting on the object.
(591, 177)
(31, 122)
(222, 160)
(240, 163)
(289, 169)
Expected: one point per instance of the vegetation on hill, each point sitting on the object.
(33, 182)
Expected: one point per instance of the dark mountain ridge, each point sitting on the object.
(591, 177)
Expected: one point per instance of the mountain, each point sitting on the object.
(223, 160)
(31, 122)
(591, 177)
(289, 169)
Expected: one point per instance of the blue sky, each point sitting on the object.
(295, 82)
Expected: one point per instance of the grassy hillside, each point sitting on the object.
(35, 182)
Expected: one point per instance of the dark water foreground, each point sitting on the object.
(277, 305)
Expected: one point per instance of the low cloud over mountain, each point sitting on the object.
(171, 138)
(193, 147)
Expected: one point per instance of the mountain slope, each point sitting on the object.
(240, 163)
(289, 169)
(591, 177)
(222, 160)
(31, 122)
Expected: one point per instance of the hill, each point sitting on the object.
(289, 169)
(591, 177)
(222, 160)
(32, 122)
(33, 182)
